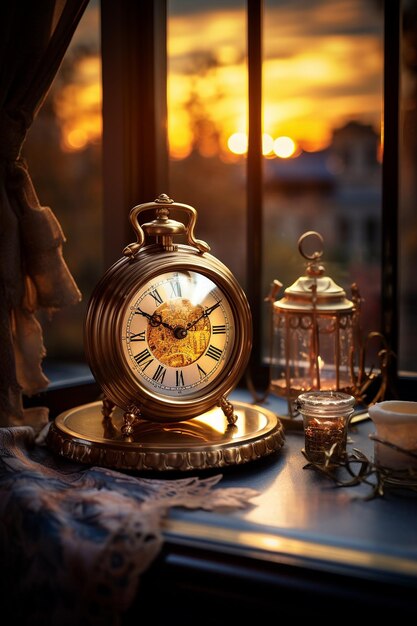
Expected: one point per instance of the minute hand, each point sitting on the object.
(208, 311)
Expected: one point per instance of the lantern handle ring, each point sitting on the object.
(314, 256)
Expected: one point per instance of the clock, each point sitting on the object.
(168, 328)
(167, 336)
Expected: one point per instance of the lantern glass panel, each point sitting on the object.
(304, 359)
(333, 351)
(291, 367)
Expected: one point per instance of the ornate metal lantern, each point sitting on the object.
(316, 337)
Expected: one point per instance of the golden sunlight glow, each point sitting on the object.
(178, 128)
(238, 143)
(316, 76)
(75, 138)
(78, 106)
(267, 144)
(284, 147)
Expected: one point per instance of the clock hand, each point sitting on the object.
(139, 310)
(155, 319)
(179, 332)
(208, 311)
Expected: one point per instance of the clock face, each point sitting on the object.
(178, 333)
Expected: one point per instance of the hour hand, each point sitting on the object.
(150, 317)
(155, 319)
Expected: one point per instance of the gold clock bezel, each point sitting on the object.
(103, 331)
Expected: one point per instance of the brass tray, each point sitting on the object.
(82, 434)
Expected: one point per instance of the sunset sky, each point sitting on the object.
(322, 67)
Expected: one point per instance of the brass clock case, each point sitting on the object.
(104, 330)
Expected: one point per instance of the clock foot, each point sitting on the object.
(129, 418)
(109, 429)
(107, 407)
(228, 410)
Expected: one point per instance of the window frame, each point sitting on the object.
(135, 160)
(134, 97)
(134, 140)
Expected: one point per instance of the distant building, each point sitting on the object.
(354, 154)
(337, 190)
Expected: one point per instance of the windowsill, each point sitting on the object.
(303, 537)
(62, 374)
(71, 384)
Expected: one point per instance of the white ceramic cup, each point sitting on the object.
(395, 422)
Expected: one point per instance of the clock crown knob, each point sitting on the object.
(164, 199)
(163, 228)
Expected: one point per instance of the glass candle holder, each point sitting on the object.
(326, 416)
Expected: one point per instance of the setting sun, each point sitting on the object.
(284, 147)
(238, 143)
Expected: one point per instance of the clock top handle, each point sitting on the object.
(163, 228)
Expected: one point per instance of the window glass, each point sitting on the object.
(207, 125)
(63, 151)
(323, 88)
(322, 110)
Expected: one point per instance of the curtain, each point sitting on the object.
(33, 272)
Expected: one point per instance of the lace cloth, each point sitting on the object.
(74, 539)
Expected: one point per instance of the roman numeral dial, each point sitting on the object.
(178, 334)
(168, 330)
